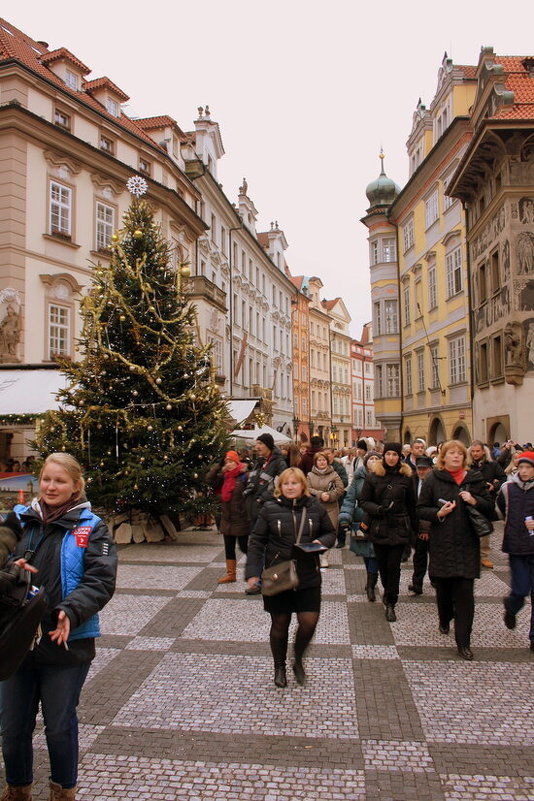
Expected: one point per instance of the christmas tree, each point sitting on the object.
(140, 411)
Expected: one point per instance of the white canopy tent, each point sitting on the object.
(253, 434)
(29, 391)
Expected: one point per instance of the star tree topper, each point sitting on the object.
(136, 185)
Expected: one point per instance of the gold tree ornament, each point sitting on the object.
(114, 238)
(138, 234)
(185, 271)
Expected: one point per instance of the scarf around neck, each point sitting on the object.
(229, 482)
(50, 514)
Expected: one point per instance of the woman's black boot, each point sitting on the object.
(298, 670)
(280, 678)
(372, 578)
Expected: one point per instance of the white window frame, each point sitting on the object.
(392, 380)
(60, 209)
(453, 263)
(420, 371)
(59, 330)
(105, 225)
(432, 287)
(432, 209)
(389, 250)
(408, 374)
(113, 107)
(72, 80)
(391, 314)
(434, 365)
(408, 234)
(457, 362)
(406, 304)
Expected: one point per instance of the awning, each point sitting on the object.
(29, 391)
(241, 409)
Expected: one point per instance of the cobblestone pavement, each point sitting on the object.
(180, 702)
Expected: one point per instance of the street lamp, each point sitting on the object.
(296, 423)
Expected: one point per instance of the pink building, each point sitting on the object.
(364, 423)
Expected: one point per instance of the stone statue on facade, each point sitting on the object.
(514, 353)
(10, 329)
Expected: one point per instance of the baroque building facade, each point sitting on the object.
(495, 182)
(364, 422)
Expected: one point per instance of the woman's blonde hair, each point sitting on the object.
(298, 474)
(318, 455)
(447, 446)
(71, 466)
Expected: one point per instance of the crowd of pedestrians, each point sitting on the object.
(392, 503)
(284, 510)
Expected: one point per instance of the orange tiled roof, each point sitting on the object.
(105, 83)
(152, 123)
(14, 44)
(329, 304)
(519, 81)
(263, 239)
(297, 280)
(468, 70)
(62, 54)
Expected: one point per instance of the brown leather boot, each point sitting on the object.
(230, 576)
(59, 793)
(17, 793)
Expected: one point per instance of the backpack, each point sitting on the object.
(21, 611)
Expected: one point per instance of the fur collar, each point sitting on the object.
(380, 470)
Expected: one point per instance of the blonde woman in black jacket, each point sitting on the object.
(272, 541)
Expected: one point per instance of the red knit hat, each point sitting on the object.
(233, 455)
(526, 456)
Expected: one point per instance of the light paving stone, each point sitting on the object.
(87, 735)
(107, 778)
(155, 577)
(243, 621)
(333, 582)
(487, 788)
(492, 583)
(102, 659)
(193, 594)
(128, 614)
(150, 644)
(375, 652)
(161, 554)
(458, 704)
(190, 692)
(396, 755)
(417, 624)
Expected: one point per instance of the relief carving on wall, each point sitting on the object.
(529, 342)
(514, 353)
(493, 310)
(10, 325)
(489, 234)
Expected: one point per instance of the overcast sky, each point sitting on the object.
(305, 92)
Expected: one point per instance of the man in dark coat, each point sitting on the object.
(423, 466)
(494, 476)
(317, 444)
(268, 464)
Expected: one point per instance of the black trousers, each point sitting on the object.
(455, 599)
(389, 566)
(420, 562)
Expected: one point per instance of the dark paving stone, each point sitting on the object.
(368, 625)
(386, 710)
(424, 653)
(491, 760)
(173, 618)
(395, 785)
(246, 749)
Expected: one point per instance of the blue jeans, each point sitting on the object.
(58, 689)
(522, 573)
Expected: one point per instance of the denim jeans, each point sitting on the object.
(522, 574)
(58, 689)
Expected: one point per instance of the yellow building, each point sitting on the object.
(420, 297)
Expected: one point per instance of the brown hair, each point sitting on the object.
(318, 455)
(447, 446)
(299, 475)
(71, 466)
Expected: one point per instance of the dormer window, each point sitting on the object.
(62, 119)
(112, 107)
(72, 79)
(144, 166)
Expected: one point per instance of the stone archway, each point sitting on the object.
(461, 433)
(407, 438)
(436, 431)
(497, 433)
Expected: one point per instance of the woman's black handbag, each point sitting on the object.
(21, 610)
(282, 576)
(479, 523)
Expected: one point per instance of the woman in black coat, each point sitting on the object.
(454, 548)
(388, 498)
(272, 541)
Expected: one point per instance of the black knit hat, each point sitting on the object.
(393, 446)
(267, 440)
(368, 455)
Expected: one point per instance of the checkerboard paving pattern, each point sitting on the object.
(180, 702)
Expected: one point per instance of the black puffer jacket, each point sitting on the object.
(384, 488)
(276, 531)
(261, 484)
(90, 596)
(453, 548)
